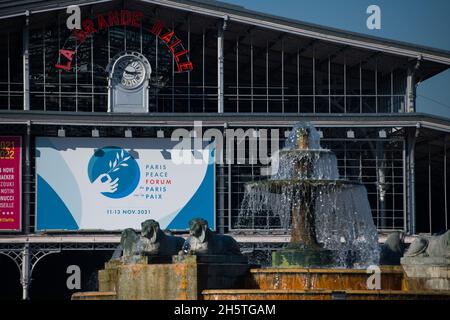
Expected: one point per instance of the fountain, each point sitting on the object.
(330, 218)
(333, 252)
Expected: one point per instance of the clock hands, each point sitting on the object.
(131, 72)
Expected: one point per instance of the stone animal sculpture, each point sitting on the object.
(434, 246)
(155, 242)
(152, 241)
(129, 248)
(203, 241)
(393, 249)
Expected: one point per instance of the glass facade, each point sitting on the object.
(11, 71)
(264, 71)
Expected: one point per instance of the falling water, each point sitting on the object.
(343, 220)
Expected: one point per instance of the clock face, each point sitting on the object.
(129, 72)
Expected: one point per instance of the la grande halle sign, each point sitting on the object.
(129, 19)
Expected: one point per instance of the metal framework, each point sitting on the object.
(26, 256)
(379, 164)
(25, 259)
(237, 73)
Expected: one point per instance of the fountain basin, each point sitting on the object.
(322, 295)
(325, 284)
(392, 278)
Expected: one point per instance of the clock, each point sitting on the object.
(128, 83)
(129, 72)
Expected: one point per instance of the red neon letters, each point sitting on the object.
(125, 18)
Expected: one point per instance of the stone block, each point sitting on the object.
(183, 279)
(427, 273)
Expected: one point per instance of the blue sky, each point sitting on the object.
(424, 22)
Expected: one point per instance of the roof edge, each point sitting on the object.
(240, 14)
(243, 15)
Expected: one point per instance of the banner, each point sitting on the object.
(116, 183)
(10, 183)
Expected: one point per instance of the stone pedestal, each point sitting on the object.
(427, 273)
(183, 279)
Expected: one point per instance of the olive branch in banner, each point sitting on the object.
(119, 162)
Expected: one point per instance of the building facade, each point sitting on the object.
(229, 68)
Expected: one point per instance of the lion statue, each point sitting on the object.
(129, 248)
(155, 242)
(434, 246)
(393, 248)
(203, 241)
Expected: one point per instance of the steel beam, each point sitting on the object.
(26, 63)
(27, 181)
(25, 278)
(411, 85)
(411, 188)
(220, 69)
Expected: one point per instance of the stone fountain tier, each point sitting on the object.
(279, 183)
(304, 250)
(305, 164)
(330, 219)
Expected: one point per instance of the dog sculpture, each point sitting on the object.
(434, 246)
(155, 242)
(129, 248)
(392, 250)
(203, 241)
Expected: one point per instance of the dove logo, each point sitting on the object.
(113, 172)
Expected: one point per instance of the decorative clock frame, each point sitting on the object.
(128, 94)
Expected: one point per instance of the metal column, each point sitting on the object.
(221, 208)
(27, 181)
(411, 194)
(430, 202)
(411, 85)
(381, 184)
(410, 92)
(220, 60)
(25, 278)
(445, 183)
(220, 109)
(26, 63)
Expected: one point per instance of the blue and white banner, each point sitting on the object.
(115, 183)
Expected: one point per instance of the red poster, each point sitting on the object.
(10, 183)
